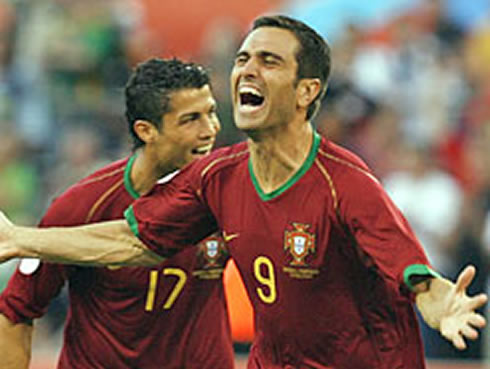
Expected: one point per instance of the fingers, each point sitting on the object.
(456, 336)
(477, 301)
(458, 331)
(465, 278)
(458, 341)
(462, 321)
(476, 320)
(469, 332)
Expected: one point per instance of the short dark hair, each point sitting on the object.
(148, 90)
(313, 56)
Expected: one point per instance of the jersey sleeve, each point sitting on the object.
(34, 283)
(30, 290)
(381, 231)
(173, 215)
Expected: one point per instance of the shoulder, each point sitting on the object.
(344, 165)
(216, 162)
(97, 182)
(349, 178)
(222, 158)
(340, 156)
(111, 172)
(69, 206)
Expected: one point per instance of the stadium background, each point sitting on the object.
(410, 93)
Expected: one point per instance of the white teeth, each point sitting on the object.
(203, 149)
(250, 90)
(247, 109)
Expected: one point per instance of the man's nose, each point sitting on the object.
(210, 127)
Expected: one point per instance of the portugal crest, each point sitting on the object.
(300, 243)
(212, 248)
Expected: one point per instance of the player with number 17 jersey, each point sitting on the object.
(168, 316)
(326, 277)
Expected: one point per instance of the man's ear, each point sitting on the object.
(145, 130)
(307, 90)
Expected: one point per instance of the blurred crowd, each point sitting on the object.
(410, 95)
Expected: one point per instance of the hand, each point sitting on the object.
(7, 250)
(447, 307)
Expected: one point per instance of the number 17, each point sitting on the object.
(152, 286)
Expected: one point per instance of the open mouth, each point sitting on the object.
(250, 97)
(202, 150)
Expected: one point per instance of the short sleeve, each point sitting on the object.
(30, 290)
(34, 284)
(172, 216)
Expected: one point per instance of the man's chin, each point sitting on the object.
(248, 125)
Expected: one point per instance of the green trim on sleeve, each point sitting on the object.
(420, 270)
(131, 219)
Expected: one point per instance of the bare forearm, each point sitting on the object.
(15, 344)
(106, 243)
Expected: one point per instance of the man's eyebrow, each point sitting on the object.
(262, 54)
(191, 115)
(266, 54)
(242, 53)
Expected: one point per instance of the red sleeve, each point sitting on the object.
(34, 284)
(172, 215)
(378, 227)
(27, 296)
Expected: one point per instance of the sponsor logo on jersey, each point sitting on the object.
(299, 242)
(229, 236)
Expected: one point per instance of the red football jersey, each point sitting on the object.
(168, 316)
(323, 257)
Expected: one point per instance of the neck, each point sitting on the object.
(145, 172)
(277, 155)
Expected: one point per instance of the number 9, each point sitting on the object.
(267, 279)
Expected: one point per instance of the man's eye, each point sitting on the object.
(189, 119)
(240, 60)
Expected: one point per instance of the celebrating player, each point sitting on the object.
(330, 264)
(172, 315)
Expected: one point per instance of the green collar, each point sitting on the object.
(295, 178)
(127, 178)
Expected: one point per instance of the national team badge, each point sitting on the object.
(212, 256)
(300, 243)
(212, 248)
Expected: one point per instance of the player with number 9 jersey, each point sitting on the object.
(323, 257)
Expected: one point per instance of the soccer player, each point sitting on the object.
(172, 315)
(330, 264)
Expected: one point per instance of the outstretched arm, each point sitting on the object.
(445, 306)
(15, 344)
(105, 243)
